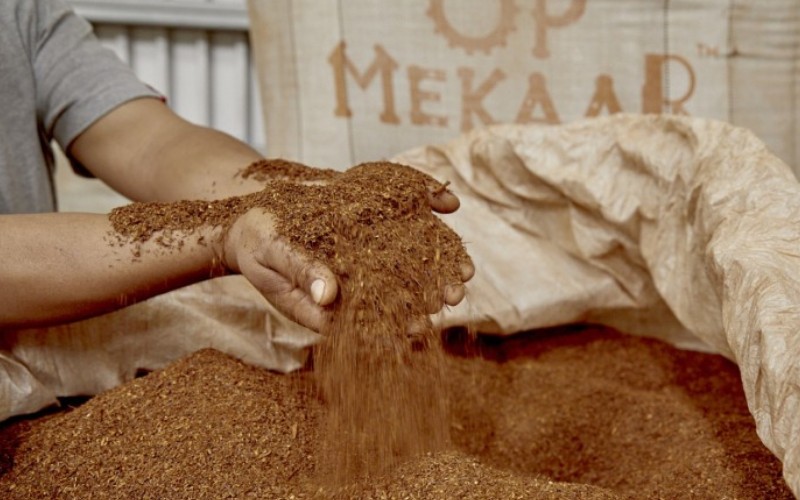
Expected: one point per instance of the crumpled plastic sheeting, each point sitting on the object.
(20, 391)
(681, 228)
(90, 356)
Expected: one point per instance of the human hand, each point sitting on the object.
(297, 285)
(443, 201)
(300, 286)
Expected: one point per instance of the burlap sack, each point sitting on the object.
(346, 82)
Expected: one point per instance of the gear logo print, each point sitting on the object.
(484, 43)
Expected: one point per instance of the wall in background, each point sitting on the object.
(196, 52)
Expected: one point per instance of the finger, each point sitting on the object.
(298, 306)
(418, 326)
(467, 271)
(295, 303)
(316, 279)
(434, 302)
(453, 294)
(443, 201)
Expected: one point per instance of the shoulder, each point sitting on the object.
(17, 25)
(30, 23)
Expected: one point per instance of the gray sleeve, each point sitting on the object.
(77, 79)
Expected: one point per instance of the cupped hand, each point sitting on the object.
(297, 285)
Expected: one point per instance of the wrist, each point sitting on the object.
(248, 231)
(212, 240)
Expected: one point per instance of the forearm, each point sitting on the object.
(148, 153)
(63, 267)
(195, 162)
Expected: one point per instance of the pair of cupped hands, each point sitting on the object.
(297, 285)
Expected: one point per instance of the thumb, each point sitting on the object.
(323, 290)
(443, 201)
(312, 276)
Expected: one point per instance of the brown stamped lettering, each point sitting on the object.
(544, 20)
(537, 96)
(604, 97)
(383, 64)
(472, 100)
(654, 99)
(470, 43)
(416, 75)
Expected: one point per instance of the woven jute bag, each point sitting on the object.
(345, 82)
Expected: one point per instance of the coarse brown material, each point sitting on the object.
(266, 170)
(572, 413)
(373, 227)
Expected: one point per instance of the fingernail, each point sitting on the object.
(318, 290)
(454, 294)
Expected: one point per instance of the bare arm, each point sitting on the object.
(148, 153)
(60, 267)
(63, 267)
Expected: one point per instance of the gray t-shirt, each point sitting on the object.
(55, 81)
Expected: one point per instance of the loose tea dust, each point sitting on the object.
(575, 413)
(374, 228)
(272, 169)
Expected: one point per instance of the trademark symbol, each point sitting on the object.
(704, 50)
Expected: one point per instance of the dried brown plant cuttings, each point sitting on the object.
(571, 414)
(277, 168)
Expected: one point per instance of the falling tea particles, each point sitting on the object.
(572, 413)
